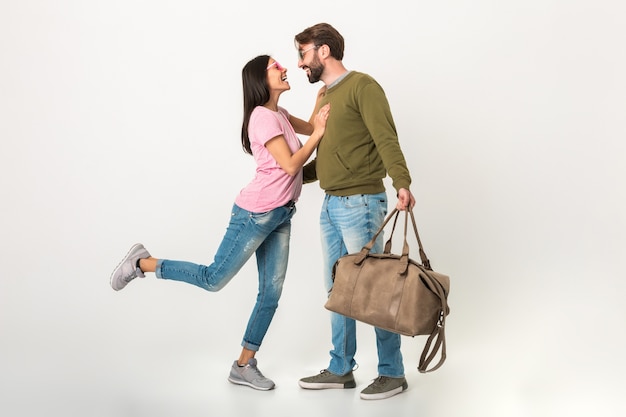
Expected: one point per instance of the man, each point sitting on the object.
(359, 149)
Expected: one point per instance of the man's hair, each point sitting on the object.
(322, 34)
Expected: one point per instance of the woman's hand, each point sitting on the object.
(319, 122)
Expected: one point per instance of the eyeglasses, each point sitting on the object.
(302, 53)
(275, 64)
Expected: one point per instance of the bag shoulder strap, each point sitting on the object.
(437, 339)
(436, 342)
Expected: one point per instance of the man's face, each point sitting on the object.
(309, 61)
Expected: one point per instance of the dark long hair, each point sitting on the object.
(256, 92)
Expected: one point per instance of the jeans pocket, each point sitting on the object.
(354, 201)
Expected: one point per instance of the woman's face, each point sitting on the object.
(276, 76)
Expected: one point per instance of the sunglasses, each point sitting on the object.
(275, 64)
(302, 53)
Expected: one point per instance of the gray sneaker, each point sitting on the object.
(384, 387)
(250, 375)
(128, 269)
(325, 379)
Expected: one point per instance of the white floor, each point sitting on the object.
(70, 346)
(177, 380)
(155, 351)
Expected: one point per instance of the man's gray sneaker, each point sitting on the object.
(128, 269)
(325, 379)
(249, 375)
(384, 387)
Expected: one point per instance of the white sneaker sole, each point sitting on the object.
(382, 395)
(248, 384)
(322, 385)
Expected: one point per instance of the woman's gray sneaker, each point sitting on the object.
(250, 375)
(128, 269)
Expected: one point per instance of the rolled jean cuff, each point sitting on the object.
(250, 346)
(157, 272)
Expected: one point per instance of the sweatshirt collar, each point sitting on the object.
(338, 80)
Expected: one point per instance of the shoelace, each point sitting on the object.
(257, 372)
(128, 278)
(381, 380)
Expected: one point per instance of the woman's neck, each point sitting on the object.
(272, 105)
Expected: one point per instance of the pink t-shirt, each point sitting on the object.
(271, 187)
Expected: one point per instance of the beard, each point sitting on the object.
(315, 70)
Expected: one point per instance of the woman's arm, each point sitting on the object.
(302, 126)
(290, 162)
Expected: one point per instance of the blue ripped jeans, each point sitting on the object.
(265, 234)
(347, 224)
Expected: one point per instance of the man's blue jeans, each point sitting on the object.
(267, 235)
(347, 224)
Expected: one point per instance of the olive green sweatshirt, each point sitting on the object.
(360, 145)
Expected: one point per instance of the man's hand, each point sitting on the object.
(405, 199)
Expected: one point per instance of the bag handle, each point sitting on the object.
(423, 256)
(393, 228)
(368, 247)
(405, 250)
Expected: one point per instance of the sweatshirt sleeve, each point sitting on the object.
(309, 173)
(377, 117)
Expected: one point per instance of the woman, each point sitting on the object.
(260, 221)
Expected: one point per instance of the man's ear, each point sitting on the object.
(324, 50)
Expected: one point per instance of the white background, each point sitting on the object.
(120, 121)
